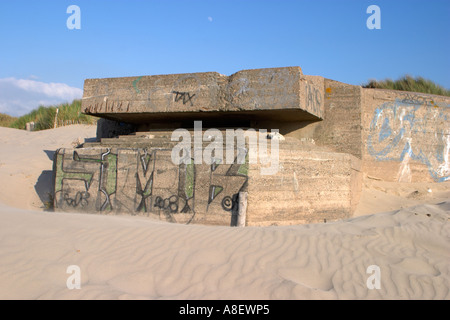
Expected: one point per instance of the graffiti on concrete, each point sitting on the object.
(135, 82)
(108, 106)
(144, 178)
(413, 128)
(183, 96)
(313, 99)
(145, 182)
(81, 197)
(82, 169)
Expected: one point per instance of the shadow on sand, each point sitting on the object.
(44, 185)
(44, 189)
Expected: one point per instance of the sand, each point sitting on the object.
(402, 229)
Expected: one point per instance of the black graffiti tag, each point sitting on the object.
(230, 203)
(185, 96)
(170, 204)
(313, 99)
(227, 203)
(81, 197)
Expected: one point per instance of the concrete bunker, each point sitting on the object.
(325, 127)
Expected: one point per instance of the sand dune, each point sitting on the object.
(124, 257)
(26, 162)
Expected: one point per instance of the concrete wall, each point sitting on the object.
(146, 182)
(142, 99)
(340, 129)
(406, 136)
(312, 185)
(400, 136)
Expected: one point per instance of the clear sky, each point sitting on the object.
(137, 37)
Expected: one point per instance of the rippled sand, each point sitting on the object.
(124, 257)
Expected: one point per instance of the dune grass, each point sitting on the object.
(408, 83)
(44, 117)
(6, 120)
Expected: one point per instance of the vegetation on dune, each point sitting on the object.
(45, 117)
(6, 120)
(408, 83)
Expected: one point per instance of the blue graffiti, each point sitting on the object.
(396, 126)
(385, 130)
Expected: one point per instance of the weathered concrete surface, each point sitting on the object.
(259, 93)
(313, 185)
(405, 136)
(341, 126)
(400, 136)
(136, 175)
(146, 182)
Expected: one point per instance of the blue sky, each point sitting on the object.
(137, 37)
